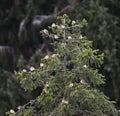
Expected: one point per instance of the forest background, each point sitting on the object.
(21, 44)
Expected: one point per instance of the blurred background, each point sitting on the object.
(22, 46)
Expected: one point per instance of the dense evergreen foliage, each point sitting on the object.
(104, 30)
(26, 48)
(68, 76)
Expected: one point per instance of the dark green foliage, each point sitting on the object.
(10, 92)
(68, 90)
(103, 19)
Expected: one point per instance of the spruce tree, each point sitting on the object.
(69, 76)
